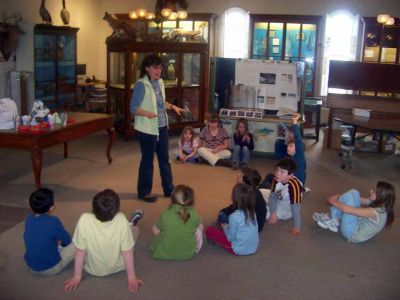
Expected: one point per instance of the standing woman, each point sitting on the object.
(151, 121)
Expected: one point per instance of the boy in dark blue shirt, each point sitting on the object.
(48, 245)
(295, 150)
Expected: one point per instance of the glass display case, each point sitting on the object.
(55, 65)
(185, 74)
(292, 38)
(381, 42)
(197, 27)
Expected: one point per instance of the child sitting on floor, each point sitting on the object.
(252, 178)
(187, 145)
(358, 218)
(240, 235)
(48, 245)
(285, 197)
(178, 233)
(243, 144)
(104, 241)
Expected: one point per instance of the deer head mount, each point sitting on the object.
(9, 33)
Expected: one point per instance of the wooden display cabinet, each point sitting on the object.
(381, 43)
(287, 37)
(184, 74)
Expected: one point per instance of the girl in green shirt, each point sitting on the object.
(178, 233)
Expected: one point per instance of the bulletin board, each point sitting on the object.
(275, 83)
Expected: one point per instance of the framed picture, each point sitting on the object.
(241, 113)
(223, 112)
(267, 78)
(232, 113)
(275, 50)
(258, 115)
(275, 42)
(249, 114)
(272, 33)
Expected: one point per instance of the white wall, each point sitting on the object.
(88, 14)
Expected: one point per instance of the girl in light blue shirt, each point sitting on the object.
(240, 236)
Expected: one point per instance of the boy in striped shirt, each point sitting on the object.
(286, 194)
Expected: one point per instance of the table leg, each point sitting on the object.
(111, 137)
(317, 124)
(330, 124)
(36, 156)
(65, 149)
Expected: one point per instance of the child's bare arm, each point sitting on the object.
(72, 283)
(155, 230)
(365, 212)
(133, 282)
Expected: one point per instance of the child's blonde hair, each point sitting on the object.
(186, 129)
(183, 196)
(245, 123)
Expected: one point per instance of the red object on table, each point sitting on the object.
(70, 121)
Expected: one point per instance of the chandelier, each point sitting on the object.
(385, 20)
(165, 10)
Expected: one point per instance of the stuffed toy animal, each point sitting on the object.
(39, 112)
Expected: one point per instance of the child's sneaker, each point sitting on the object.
(135, 217)
(320, 216)
(331, 224)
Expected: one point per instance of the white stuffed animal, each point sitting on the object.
(8, 110)
(39, 112)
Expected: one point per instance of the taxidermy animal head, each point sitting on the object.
(10, 31)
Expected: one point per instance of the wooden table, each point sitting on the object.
(83, 125)
(380, 124)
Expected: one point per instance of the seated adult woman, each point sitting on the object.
(214, 142)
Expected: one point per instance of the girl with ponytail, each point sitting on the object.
(178, 233)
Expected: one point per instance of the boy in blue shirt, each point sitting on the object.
(48, 247)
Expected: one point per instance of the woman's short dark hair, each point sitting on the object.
(41, 200)
(105, 205)
(149, 60)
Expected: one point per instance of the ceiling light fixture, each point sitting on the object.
(165, 10)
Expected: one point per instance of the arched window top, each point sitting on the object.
(235, 22)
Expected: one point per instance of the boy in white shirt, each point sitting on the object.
(104, 242)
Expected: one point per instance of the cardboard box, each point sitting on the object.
(336, 139)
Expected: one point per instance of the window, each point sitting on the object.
(340, 43)
(235, 28)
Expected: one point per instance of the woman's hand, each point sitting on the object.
(215, 150)
(177, 110)
(151, 115)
